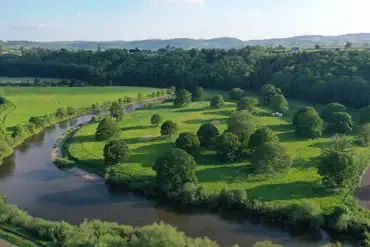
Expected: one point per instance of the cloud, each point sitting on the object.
(179, 1)
(80, 15)
(31, 26)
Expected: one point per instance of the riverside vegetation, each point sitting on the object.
(234, 155)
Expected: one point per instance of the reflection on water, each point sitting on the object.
(7, 167)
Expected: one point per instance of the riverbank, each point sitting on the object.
(292, 210)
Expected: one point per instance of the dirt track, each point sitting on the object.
(363, 192)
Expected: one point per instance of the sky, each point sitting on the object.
(100, 20)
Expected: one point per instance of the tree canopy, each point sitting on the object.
(261, 136)
(247, 103)
(116, 111)
(228, 146)
(156, 119)
(183, 98)
(116, 151)
(208, 134)
(341, 122)
(308, 123)
(199, 94)
(240, 121)
(169, 128)
(327, 111)
(106, 129)
(189, 142)
(217, 102)
(174, 170)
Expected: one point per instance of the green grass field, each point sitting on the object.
(24, 79)
(38, 101)
(301, 183)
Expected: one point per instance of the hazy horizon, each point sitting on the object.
(131, 20)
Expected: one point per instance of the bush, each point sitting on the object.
(37, 121)
(308, 123)
(341, 122)
(169, 128)
(236, 199)
(156, 119)
(309, 212)
(279, 103)
(217, 102)
(71, 111)
(107, 128)
(207, 134)
(248, 104)
(116, 151)
(228, 146)
(183, 98)
(364, 135)
(174, 170)
(236, 94)
(189, 142)
(261, 136)
(199, 94)
(327, 111)
(96, 108)
(19, 131)
(5, 149)
(271, 158)
(61, 113)
(240, 121)
(3, 100)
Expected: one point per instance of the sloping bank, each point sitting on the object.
(306, 216)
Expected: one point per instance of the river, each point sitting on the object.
(31, 181)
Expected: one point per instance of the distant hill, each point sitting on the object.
(359, 40)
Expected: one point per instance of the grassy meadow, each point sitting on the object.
(38, 101)
(301, 183)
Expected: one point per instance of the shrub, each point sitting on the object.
(308, 123)
(271, 158)
(116, 151)
(279, 103)
(61, 113)
(169, 128)
(71, 110)
(5, 148)
(183, 98)
(19, 131)
(364, 135)
(228, 146)
(207, 134)
(174, 170)
(199, 94)
(96, 108)
(37, 121)
(106, 129)
(261, 136)
(266, 244)
(233, 198)
(217, 102)
(236, 94)
(3, 100)
(156, 119)
(341, 122)
(63, 163)
(240, 121)
(327, 111)
(309, 212)
(248, 104)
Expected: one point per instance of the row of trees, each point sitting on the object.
(321, 76)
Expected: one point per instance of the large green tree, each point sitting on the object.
(189, 142)
(174, 170)
(156, 119)
(308, 123)
(106, 129)
(236, 94)
(116, 111)
(116, 151)
(267, 91)
(271, 158)
(217, 102)
(261, 136)
(247, 103)
(208, 134)
(240, 121)
(341, 122)
(279, 103)
(169, 128)
(228, 147)
(199, 94)
(327, 111)
(183, 98)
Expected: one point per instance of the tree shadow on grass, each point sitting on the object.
(148, 154)
(81, 139)
(281, 127)
(136, 140)
(221, 112)
(208, 159)
(226, 174)
(295, 190)
(139, 127)
(192, 110)
(202, 121)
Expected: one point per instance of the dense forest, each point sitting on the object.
(321, 75)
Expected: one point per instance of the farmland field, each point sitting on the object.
(38, 101)
(301, 183)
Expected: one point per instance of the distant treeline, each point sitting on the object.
(320, 75)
